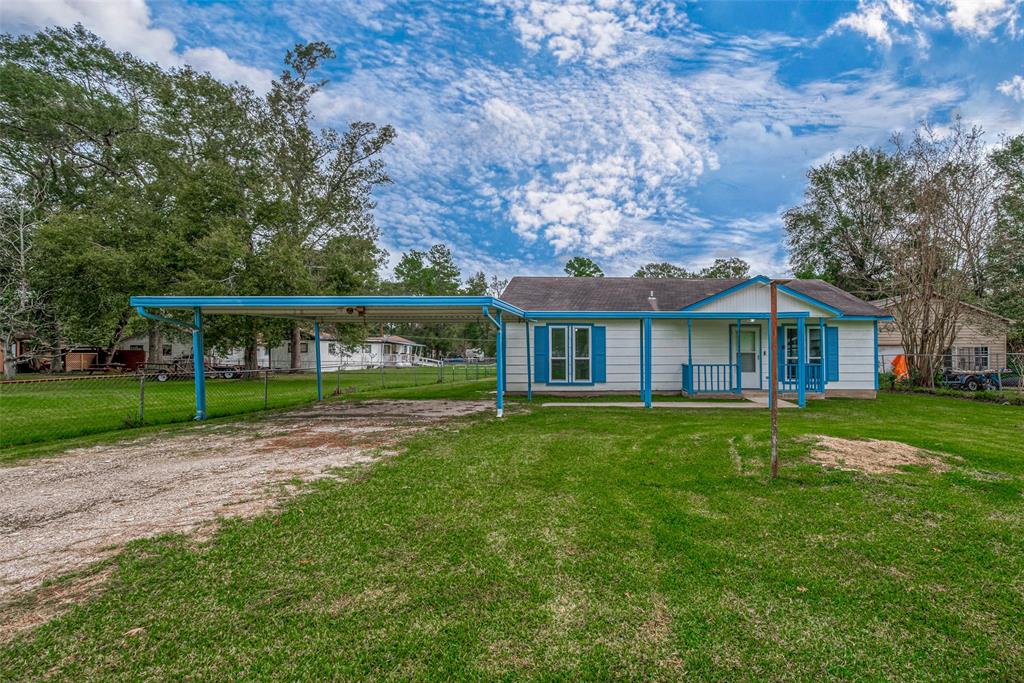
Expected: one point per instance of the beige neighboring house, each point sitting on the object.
(979, 344)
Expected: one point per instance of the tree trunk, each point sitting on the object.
(155, 342)
(252, 354)
(57, 357)
(296, 355)
(10, 359)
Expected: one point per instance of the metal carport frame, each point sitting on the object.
(331, 309)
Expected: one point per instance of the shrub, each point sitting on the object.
(1001, 397)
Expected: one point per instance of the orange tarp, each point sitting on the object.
(899, 367)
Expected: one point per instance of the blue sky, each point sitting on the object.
(532, 131)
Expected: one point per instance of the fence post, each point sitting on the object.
(142, 398)
(266, 383)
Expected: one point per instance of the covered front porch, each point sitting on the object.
(734, 357)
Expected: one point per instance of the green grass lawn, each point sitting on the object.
(32, 412)
(564, 543)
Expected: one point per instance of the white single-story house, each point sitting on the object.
(394, 351)
(610, 335)
(607, 335)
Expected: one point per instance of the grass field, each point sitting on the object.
(569, 543)
(42, 411)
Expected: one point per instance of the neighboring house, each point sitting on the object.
(392, 350)
(395, 351)
(979, 343)
(605, 335)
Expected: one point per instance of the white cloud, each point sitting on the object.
(881, 20)
(869, 20)
(1013, 87)
(981, 17)
(595, 31)
(126, 25)
(891, 21)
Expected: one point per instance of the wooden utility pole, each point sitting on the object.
(773, 375)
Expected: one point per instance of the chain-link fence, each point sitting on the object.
(47, 407)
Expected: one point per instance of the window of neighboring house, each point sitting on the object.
(980, 357)
(332, 348)
(366, 348)
(165, 350)
(289, 347)
(135, 347)
(947, 359)
(964, 357)
(304, 347)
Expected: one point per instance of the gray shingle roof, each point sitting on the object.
(670, 294)
(836, 298)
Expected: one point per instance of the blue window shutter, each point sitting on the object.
(598, 353)
(832, 354)
(540, 354)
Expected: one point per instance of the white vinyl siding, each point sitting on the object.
(710, 345)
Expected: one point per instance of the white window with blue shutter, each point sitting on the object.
(569, 354)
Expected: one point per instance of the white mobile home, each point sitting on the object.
(628, 335)
(391, 350)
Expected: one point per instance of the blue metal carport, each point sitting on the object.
(332, 309)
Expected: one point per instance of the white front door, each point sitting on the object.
(750, 358)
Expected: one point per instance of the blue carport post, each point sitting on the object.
(198, 364)
(647, 362)
(801, 363)
(319, 375)
(499, 351)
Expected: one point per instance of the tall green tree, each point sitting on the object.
(662, 269)
(850, 204)
(1005, 266)
(80, 123)
(581, 266)
(431, 272)
(726, 268)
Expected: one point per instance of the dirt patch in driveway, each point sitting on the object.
(873, 456)
(63, 513)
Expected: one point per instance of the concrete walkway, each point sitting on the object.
(749, 404)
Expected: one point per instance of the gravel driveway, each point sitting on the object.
(62, 513)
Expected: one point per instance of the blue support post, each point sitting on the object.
(499, 352)
(198, 364)
(689, 351)
(739, 366)
(500, 400)
(648, 347)
(643, 382)
(319, 376)
(876, 353)
(529, 364)
(801, 363)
